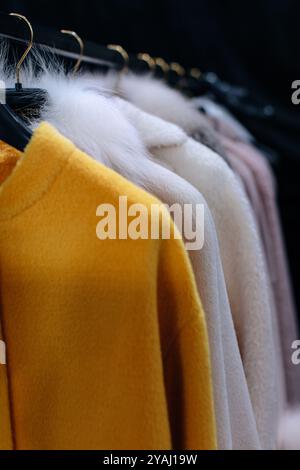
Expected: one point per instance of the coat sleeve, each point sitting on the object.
(185, 349)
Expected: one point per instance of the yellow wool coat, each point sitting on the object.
(106, 339)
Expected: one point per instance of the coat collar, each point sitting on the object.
(154, 132)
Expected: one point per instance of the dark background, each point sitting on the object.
(249, 42)
(253, 43)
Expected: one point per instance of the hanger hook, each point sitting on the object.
(81, 45)
(177, 68)
(144, 57)
(124, 70)
(162, 64)
(195, 73)
(19, 64)
(123, 53)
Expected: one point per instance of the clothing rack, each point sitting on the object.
(59, 43)
(97, 55)
(191, 82)
(65, 46)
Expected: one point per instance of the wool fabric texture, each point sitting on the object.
(106, 339)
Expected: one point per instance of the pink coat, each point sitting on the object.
(265, 208)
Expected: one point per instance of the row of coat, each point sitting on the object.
(123, 344)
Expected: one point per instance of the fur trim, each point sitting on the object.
(147, 93)
(90, 119)
(155, 132)
(108, 129)
(94, 123)
(156, 98)
(218, 112)
(152, 96)
(99, 123)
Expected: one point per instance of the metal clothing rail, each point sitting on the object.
(60, 44)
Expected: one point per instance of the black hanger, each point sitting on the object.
(22, 104)
(21, 99)
(19, 103)
(12, 130)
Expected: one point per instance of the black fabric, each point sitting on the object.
(253, 43)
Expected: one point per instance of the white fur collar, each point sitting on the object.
(147, 93)
(83, 109)
(155, 97)
(75, 104)
(154, 132)
(113, 132)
